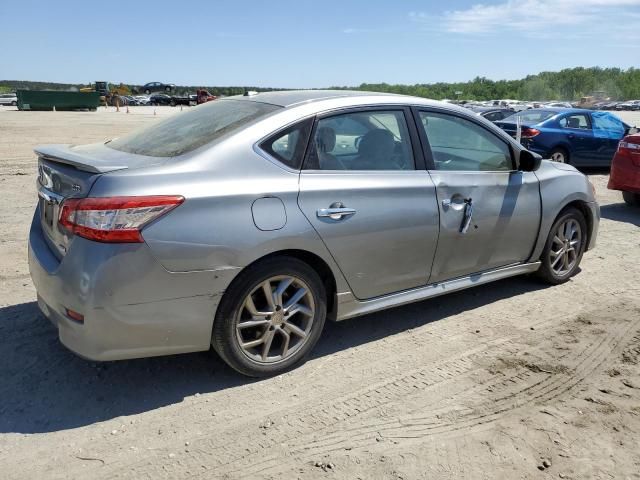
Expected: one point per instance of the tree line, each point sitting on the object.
(568, 84)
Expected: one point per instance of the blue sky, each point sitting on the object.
(303, 43)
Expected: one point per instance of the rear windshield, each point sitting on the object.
(185, 132)
(531, 116)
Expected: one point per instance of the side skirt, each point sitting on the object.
(349, 306)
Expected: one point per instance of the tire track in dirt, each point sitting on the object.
(468, 418)
(221, 451)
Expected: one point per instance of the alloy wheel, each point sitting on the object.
(275, 319)
(558, 157)
(565, 247)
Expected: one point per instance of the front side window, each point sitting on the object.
(366, 140)
(575, 121)
(459, 144)
(187, 131)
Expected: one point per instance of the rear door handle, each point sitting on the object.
(336, 211)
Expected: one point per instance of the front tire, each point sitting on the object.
(270, 317)
(564, 248)
(631, 199)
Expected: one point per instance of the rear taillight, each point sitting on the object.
(634, 147)
(114, 219)
(529, 132)
(630, 150)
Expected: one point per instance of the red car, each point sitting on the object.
(625, 169)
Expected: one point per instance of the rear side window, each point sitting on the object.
(185, 132)
(362, 140)
(288, 145)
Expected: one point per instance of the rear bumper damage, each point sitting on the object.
(132, 306)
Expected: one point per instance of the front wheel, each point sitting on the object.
(631, 199)
(270, 317)
(14, 104)
(565, 245)
(559, 155)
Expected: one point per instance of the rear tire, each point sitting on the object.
(631, 199)
(559, 155)
(261, 336)
(564, 248)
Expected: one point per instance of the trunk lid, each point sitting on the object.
(67, 171)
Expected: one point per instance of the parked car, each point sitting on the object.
(584, 138)
(244, 223)
(160, 99)
(557, 105)
(180, 100)
(610, 105)
(625, 169)
(157, 87)
(203, 96)
(492, 113)
(142, 99)
(630, 105)
(9, 99)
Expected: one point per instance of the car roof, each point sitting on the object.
(482, 109)
(290, 98)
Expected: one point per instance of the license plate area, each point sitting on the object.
(47, 209)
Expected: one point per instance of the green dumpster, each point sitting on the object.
(48, 99)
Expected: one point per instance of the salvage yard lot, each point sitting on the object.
(514, 379)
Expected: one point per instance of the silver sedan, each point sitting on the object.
(246, 222)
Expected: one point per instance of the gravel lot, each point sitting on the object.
(509, 380)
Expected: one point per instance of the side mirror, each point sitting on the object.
(529, 161)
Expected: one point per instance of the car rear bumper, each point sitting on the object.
(624, 175)
(132, 306)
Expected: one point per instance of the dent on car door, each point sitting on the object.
(489, 212)
(361, 191)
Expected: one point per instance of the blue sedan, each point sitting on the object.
(569, 135)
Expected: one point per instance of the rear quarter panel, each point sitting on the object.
(215, 229)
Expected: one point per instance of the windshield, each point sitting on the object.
(531, 116)
(185, 132)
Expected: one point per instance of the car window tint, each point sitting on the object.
(288, 146)
(576, 120)
(531, 116)
(493, 116)
(367, 140)
(187, 131)
(459, 144)
(607, 125)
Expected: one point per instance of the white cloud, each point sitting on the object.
(533, 16)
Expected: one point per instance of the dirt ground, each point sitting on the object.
(510, 380)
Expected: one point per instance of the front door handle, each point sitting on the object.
(336, 211)
(468, 214)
